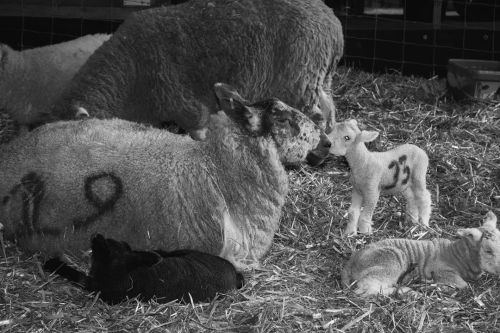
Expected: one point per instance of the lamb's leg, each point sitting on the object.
(411, 205)
(380, 279)
(423, 199)
(370, 199)
(354, 211)
(449, 277)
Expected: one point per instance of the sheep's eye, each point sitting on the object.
(347, 138)
(489, 251)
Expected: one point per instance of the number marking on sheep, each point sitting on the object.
(406, 172)
(32, 191)
(105, 180)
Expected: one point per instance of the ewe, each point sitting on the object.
(378, 267)
(160, 65)
(402, 169)
(32, 80)
(118, 272)
(64, 181)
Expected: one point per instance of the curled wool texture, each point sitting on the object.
(32, 80)
(161, 63)
(174, 192)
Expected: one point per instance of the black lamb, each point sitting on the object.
(118, 272)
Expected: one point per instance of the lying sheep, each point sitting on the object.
(153, 189)
(402, 169)
(31, 80)
(160, 65)
(118, 272)
(378, 267)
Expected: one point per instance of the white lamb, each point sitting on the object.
(402, 169)
(31, 80)
(378, 267)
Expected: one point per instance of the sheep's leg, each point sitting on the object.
(327, 105)
(411, 206)
(354, 211)
(370, 199)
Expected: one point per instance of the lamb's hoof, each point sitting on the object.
(350, 231)
(365, 229)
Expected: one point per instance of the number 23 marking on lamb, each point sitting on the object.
(397, 165)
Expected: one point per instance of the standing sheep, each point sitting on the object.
(153, 189)
(118, 272)
(32, 80)
(378, 267)
(160, 65)
(402, 169)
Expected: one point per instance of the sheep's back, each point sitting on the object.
(279, 48)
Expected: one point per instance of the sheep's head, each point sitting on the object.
(346, 134)
(486, 241)
(296, 136)
(114, 256)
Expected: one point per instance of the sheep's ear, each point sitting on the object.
(490, 220)
(236, 107)
(228, 97)
(367, 136)
(473, 234)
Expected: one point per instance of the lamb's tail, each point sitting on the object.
(56, 265)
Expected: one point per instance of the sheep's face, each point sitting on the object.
(296, 136)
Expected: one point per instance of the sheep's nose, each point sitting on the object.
(325, 141)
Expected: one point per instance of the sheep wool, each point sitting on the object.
(160, 65)
(64, 181)
(32, 80)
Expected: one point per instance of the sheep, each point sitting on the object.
(153, 189)
(118, 272)
(378, 267)
(160, 65)
(402, 169)
(32, 80)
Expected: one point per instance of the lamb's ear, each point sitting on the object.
(236, 107)
(99, 246)
(352, 122)
(490, 220)
(367, 136)
(473, 234)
